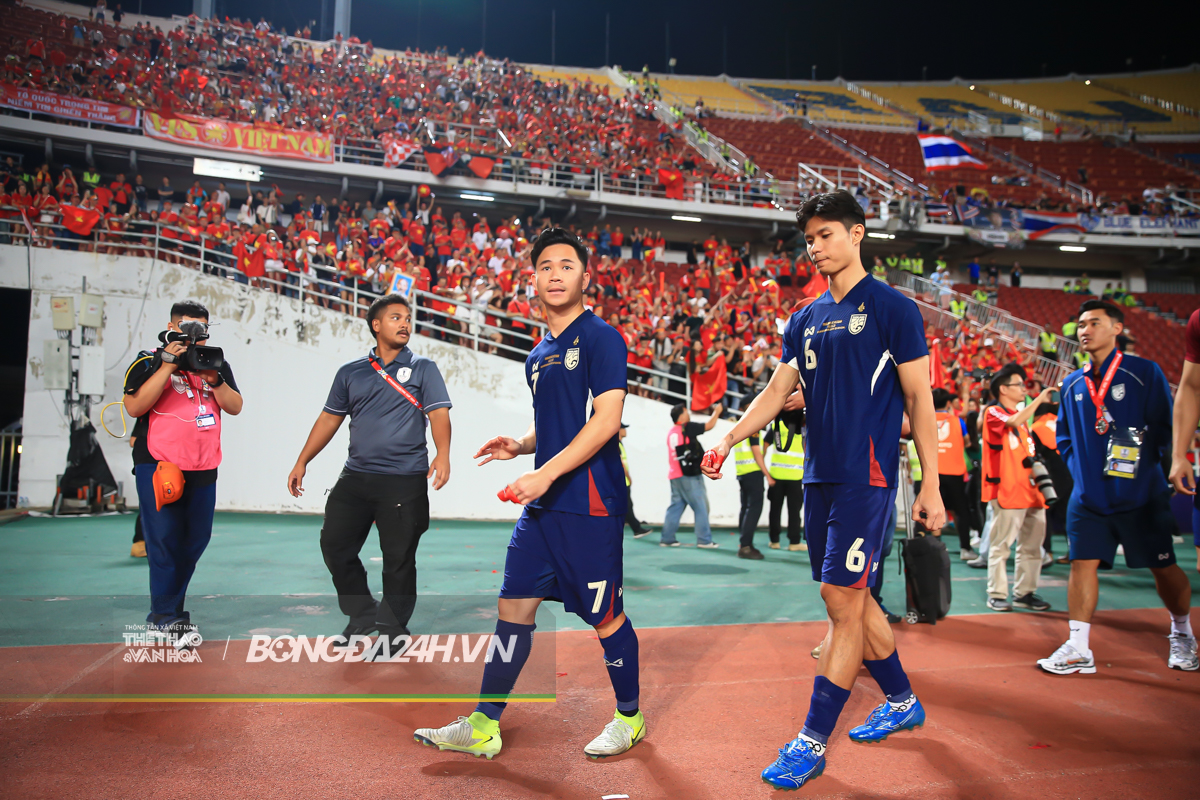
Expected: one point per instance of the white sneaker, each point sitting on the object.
(1183, 653)
(476, 734)
(1047, 559)
(1067, 660)
(707, 545)
(975, 542)
(620, 734)
(968, 554)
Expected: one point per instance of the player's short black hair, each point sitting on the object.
(941, 398)
(1003, 376)
(839, 206)
(1113, 311)
(380, 305)
(551, 236)
(677, 411)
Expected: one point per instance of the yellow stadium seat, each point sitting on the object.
(829, 103)
(1098, 108)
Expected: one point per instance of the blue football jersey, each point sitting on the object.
(564, 372)
(847, 354)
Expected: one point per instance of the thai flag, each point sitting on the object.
(1040, 223)
(937, 210)
(943, 152)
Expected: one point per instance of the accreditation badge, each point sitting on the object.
(1124, 452)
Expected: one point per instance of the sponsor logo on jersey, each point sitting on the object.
(857, 323)
(1118, 392)
(572, 359)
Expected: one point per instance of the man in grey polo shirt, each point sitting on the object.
(388, 394)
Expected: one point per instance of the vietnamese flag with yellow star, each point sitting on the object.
(79, 221)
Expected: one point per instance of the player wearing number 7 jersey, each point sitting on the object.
(858, 354)
(567, 544)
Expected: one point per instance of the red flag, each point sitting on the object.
(481, 166)
(672, 181)
(708, 387)
(816, 285)
(79, 220)
(938, 377)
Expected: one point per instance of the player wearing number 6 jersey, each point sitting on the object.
(858, 354)
(567, 544)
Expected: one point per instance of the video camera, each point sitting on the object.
(197, 357)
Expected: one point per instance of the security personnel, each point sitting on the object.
(892, 261)
(958, 308)
(1079, 359)
(176, 455)
(1114, 428)
(639, 530)
(940, 263)
(980, 296)
(918, 266)
(1069, 328)
(905, 263)
(879, 271)
(751, 470)
(390, 395)
(1048, 343)
(91, 178)
(787, 473)
(952, 468)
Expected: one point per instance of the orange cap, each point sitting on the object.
(168, 484)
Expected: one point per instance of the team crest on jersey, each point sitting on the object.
(857, 323)
(403, 374)
(1118, 392)
(572, 359)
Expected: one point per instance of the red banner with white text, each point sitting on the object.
(82, 109)
(240, 137)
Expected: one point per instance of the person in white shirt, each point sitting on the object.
(479, 239)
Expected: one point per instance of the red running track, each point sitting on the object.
(718, 702)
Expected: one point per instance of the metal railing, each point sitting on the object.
(1049, 372)
(1012, 328)
(465, 323)
(10, 468)
(741, 191)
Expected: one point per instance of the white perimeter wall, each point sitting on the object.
(284, 355)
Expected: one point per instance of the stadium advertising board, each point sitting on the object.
(238, 137)
(82, 109)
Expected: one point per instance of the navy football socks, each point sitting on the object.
(499, 676)
(621, 660)
(891, 677)
(823, 711)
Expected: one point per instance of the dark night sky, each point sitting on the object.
(859, 41)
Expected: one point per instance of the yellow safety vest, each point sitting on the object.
(880, 272)
(958, 308)
(941, 263)
(624, 459)
(1069, 329)
(891, 261)
(906, 264)
(92, 178)
(914, 463)
(1048, 342)
(980, 296)
(918, 266)
(1080, 359)
(743, 458)
(786, 465)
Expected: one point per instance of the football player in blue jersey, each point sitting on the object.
(567, 544)
(859, 358)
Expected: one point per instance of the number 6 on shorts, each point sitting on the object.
(856, 559)
(600, 585)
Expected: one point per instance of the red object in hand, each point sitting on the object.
(507, 495)
(712, 461)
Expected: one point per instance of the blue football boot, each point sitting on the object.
(886, 720)
(799, 761)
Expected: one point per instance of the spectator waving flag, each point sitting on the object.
(944, 152)
(396, 150)
(79, 221)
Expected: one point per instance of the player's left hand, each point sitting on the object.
(439, 470)
(928, 509)
(795, 400)
(531, 486)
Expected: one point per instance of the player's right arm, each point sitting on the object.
(502, 448)
(762, 411)
(1186, 417)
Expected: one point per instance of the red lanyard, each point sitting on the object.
(392, 382)
(1098, 397)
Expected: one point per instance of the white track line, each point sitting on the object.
(83, 673)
